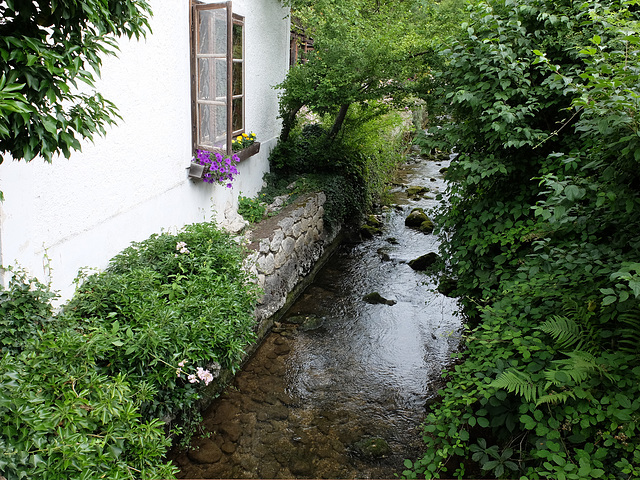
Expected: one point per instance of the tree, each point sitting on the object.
(46, 49)
(541, 224)
(364, 51)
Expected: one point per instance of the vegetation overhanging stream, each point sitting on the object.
(339, 387)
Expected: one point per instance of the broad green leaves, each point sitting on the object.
(45, 50)
(541, 236)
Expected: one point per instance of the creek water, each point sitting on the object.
(338, 388)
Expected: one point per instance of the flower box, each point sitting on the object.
(249, 151)
(215, 168)
(195, 170)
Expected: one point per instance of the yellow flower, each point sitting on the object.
(245, 135)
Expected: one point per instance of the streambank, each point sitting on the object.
(338, 387)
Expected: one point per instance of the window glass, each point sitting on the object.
(237, 40)
(218, 76)
(212, 32)
(237, 78)
(237, 109)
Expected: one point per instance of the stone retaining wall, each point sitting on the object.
(287, 248)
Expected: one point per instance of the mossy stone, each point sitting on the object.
(416, 218)
(373, 447)
(426, 226)
(415, 191)
(420, 264)
(375, 298)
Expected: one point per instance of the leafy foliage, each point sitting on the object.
(61, 417)
(540, 231)
(24, 311)
(157, 305)
(93, 389)
(46, 48)
(353, 170)
(251, 209)
(364, 51)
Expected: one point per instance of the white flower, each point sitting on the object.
(192, 378)
(205, 375)
(182, 247)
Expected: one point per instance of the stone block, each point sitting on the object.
(288, 246)
(266, 264)
(286, 224)
(276, 240)
(264, 245)
(319, 215)
(298, 213)
(279, 259)
(313, 234)
(305, 223)
(297, 229)
(301, 243)
(310, 208)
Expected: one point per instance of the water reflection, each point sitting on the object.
(339, 390)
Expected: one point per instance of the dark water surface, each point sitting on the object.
(338, 390)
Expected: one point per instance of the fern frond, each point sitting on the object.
(629, 337)
(565, 331)
(518, 382)
(556, 397)
(573, 370)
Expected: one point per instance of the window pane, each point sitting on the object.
(237, 78)
(237, 114)
(205, 86)
(221, 79)
(212, 32)
(237, 41)
(212, 79)
(212, 126)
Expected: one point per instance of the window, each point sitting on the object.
(300, 45)
(217, 71)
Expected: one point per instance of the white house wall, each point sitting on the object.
(80, 212)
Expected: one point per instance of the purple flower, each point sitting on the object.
(218, 169)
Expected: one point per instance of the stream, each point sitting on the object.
(338, 388)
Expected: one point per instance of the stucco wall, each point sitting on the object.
(81, 211)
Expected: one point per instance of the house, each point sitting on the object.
(80, 212)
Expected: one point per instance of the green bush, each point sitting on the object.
(353, 169)
(25, 309)
(251, 209)
(166, 300)
(541, 237)
(61, 418)
(87, 393)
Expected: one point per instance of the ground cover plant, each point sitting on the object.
(100, 388)
(540, 235)
(353, 169)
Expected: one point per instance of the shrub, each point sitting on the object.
(251, 209)
(352, 169)
(168, 299)
(61, 417)
(87, 393)
(541, 238)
